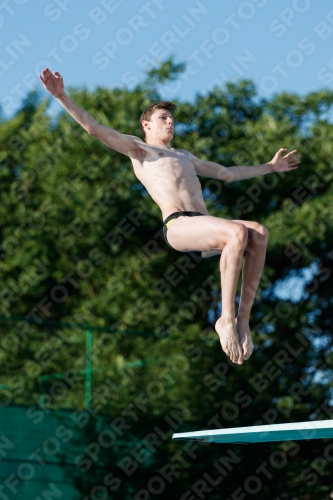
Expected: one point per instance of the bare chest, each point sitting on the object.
(165, 162)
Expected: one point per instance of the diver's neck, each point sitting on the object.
(159, 143)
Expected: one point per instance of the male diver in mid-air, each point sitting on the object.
(170, 177)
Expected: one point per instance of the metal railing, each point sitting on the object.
(88, 371)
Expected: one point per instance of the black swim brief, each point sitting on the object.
(169, 221)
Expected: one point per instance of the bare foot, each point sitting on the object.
(245, 338)
(226, 330)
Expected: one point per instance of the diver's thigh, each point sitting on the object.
(200, 233)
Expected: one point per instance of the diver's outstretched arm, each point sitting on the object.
(125, 144)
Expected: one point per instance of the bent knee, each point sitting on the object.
(240, 234)
(263, 231)
(260, 235)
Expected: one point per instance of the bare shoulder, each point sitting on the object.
(187, 153)
(133, 137)
(136, 150)
(128, 145)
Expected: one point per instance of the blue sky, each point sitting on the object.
(281, 46)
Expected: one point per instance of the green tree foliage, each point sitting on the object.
(81, 243)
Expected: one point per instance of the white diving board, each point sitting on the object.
(317, 429)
